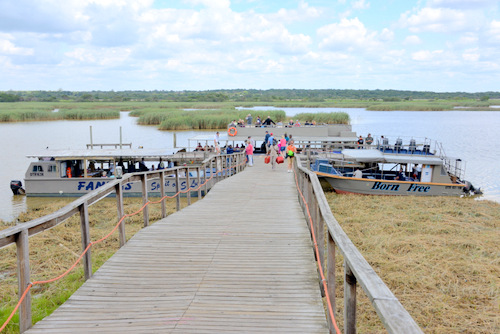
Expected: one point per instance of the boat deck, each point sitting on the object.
(240, 260)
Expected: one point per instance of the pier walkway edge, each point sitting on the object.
(240, 260)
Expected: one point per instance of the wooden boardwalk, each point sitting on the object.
(238, 261)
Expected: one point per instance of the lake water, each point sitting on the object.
(469, 135)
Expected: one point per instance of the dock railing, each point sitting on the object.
(393, 315)
(223, 165)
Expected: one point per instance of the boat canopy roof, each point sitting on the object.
(374, 155)
(125, 153)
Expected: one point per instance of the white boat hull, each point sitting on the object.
(350, 185)
(76, 187)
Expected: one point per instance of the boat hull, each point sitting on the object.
(76, 187)
(349, 185)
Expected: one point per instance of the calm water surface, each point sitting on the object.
(467, 135)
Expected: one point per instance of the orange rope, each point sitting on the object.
(30, 285)
(316, 250)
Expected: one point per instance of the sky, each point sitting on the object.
(85, 45)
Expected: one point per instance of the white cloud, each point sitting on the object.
(426, 55)
(493, 31)
(9, 48)
(462, 4)
(347, 35)
(438, 20)
(471, 55)
(303, 13)
(360, 4)
(412, 40)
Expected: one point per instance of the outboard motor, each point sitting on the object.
(470, 190)
(17, 187)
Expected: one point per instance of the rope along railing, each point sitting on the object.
(356, 269)
(225, 166)
(320, 265)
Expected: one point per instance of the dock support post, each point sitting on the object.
(121, 213)
(23, 277)
(85, 227)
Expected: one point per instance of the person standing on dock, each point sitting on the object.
(369, 139)
(249, 153)
(291, 150)
(273, 153)
(216, 142)
(249, 119)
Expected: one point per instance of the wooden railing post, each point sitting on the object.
(23, 278)
(198, 172)
(349, 300)
(218, 167)
(330, 275)
(145, 212)
(188, 184)
(177, 189)
(121, 212)
(162, 194)
(85, 227)
(205, 168)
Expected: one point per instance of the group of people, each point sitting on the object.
(368, 141)
(283, 147)
(268, 122)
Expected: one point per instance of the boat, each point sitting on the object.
(320, 136)
(73, 173)
(382, 169)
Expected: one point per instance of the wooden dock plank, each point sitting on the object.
(240, 260)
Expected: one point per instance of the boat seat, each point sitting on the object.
(325, 168)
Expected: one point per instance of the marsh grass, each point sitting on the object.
(43, 111)
(439, 256)
(55, 250)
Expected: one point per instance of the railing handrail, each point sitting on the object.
(393, 315)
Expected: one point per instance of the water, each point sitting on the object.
(469, 135)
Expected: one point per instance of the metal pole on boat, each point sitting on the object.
(120, 137)
(91, 143)
(175, 140)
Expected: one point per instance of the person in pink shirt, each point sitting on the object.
(282, 145)
(249, 153)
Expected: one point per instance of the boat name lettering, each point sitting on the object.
(156, 185)
(91, 185)
(385, 186)
(416, 188)
(36, 174)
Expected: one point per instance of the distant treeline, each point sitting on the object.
(239, 95)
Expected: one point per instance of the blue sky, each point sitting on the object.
(426, 45)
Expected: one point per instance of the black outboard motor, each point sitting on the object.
(470, 190)
(17, 187)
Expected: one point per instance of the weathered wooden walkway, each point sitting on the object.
(238, 261)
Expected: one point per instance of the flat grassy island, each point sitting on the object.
(439, 256)
(193, 115)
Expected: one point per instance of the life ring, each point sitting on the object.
(232, 131)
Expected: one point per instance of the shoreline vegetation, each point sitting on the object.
(217, 115)
(438, 255)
